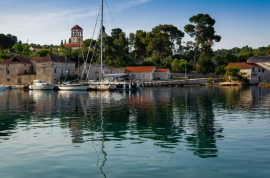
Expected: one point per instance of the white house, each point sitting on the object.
(252, 71)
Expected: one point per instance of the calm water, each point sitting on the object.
(161, 132)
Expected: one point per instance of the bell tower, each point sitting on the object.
(76, 34)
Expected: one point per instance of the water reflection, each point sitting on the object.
(170, 117)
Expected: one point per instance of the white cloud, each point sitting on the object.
(128, 4)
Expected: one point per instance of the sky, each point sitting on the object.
(238, 22)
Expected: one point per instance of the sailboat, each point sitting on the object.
(74, 85)
(101, 84)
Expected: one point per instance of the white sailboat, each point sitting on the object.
(101, 84)
(41, 84)
(74, 85)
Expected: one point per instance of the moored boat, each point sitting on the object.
(75, 87)
(41, 84)
(2, 87)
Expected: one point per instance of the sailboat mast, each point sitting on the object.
(101, 39)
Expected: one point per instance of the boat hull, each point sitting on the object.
(42, 87)
(101, 86)
(73, 87)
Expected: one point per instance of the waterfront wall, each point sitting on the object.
(195, 75)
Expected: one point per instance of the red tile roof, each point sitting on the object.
(253, 65)
(139, 69)
(243, 65)
(161, 70)
(70, 45)
(76, 27)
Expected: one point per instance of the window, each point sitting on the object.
(8, 72)
(143, 75)
(262, 70)
(43, 64)
(259, 69)
(55, 70)
(8, 80)
(25, 65)
(252, 69)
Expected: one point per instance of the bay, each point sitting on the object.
(153, 132)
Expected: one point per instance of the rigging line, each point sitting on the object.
(85, 61)
(92, 56)
(115, 27)
(84, 64)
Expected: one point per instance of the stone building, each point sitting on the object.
(21, 70)
(145, 73)
(141, 73)
(33, 61)
(252, 71)
(76, 38)
(35, 48)
(16, 70)
(52, 67)
(162, 74)
(94, 72)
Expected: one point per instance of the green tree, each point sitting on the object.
(43, 52)
(202, 29)
(205, 64)
(220, 70)
(175, 65)
(131, 41)
(259, 53)
(159, 44)
(139, 45)
(26, 50)
(115, 33)
(245, 56)
(18, 47)
(14, 38)
(232, 73)
(267, 52)
(175, 35)
(6, 42)
(185, 66)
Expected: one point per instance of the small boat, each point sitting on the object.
(122, 82)
(73, 86)
(2, 87)
(41, 84)
(103, 85)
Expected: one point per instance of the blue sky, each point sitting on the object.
(238, 22)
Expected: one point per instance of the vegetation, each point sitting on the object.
(202, 29)
(233, 74)
(161, 47)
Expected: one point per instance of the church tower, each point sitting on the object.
(76, 34)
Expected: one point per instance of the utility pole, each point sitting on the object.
(185, 69)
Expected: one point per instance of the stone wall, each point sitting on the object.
(94, 71)
(162, 75)
(52, 71)
(8, 74)
(195, 75)
(25, 79)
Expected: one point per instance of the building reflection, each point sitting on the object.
(168, 116)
